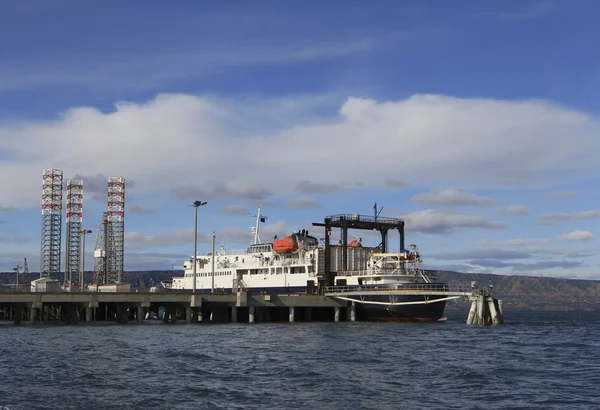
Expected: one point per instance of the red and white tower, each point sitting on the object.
(51, 223)
(74, 227)
(115, 230)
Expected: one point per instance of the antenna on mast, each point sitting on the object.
(254, 229)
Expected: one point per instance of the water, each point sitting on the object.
(536, 360)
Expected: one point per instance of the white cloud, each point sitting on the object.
(517, 210)
(452, 197)
(576, 236)
(438, 222)
(187, 142)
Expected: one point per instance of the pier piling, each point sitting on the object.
(485, 310)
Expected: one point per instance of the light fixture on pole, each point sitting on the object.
(196, 205)
(83, 233)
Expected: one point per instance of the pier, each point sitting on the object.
(334, 304)
(136, 307)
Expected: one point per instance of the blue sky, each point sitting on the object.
(475, 121)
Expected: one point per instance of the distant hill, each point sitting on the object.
(528, 292)
(517, 292)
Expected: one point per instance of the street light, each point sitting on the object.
(83, 232)
(196, 205)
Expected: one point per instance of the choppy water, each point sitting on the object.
(536, 360)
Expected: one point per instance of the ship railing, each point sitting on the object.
(375, 272)
(231, 252)
(257, 263)
(415, 287)
(363, 218)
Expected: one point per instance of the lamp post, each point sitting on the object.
(17, 272)
(196, 205)
(83, 232)
(212, 289)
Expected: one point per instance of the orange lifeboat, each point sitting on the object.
(355, 244)
(287, 244)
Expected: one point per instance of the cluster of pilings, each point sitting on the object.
(485, 309)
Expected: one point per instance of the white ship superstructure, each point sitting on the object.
(288, 265)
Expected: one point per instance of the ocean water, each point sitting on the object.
(536, 360)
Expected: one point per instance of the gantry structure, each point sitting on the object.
(74, 217)
(356, 221)
(100, 265)
(51, 223)
(109, 250)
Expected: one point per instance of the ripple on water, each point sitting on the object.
(537, 360)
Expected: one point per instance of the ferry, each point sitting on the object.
(375, 281)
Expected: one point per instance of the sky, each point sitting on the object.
(475, 122)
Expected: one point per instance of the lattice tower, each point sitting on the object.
(73, 240)
(51, 223)
(115, 231)
(100, 254)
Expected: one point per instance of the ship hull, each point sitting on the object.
(383, 310)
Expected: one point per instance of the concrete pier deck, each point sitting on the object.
(123, 307)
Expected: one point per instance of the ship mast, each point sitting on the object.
(259, 218)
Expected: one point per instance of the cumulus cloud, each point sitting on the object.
(452, 197)
(438, 222)
(302, 203)
(517, 210)
(138, 210)
(186, 138)
(576, 236)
